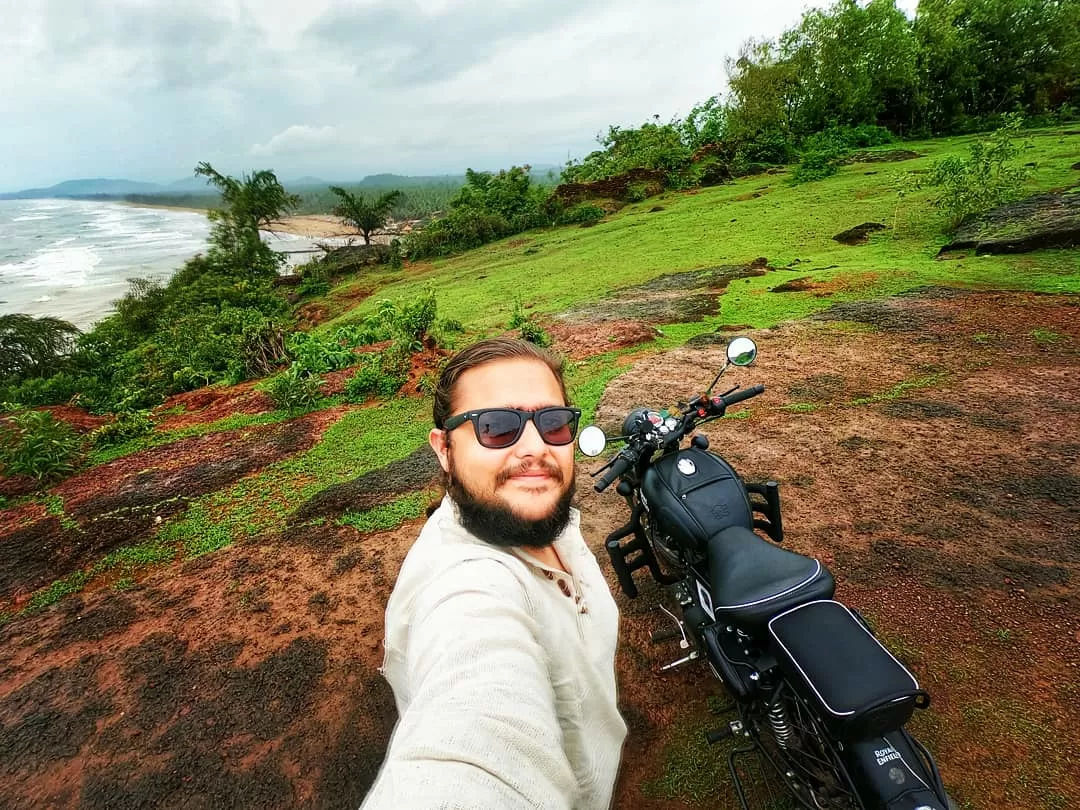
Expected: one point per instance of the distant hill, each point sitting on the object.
(80, 188)
(104, 188)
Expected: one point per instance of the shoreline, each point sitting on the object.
(311, 226)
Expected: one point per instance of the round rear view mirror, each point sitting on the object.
(741, 351)
(592, 441)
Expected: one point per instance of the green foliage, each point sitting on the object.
(294, 390)
(320, 353)
(421, 197)
(314, 279)
(816, 166)
(651, 146)
(367, 216)
(33, 347)
(823, 152)
(488, 207)
(446, 331)
(253, 202)
(528, 329)
(987, 178)
(981, 58)
(196, 532)
(957, 67)
(587, 214)
(408, 325)
(61, 387)
(141, 306)
(37, 444)
(125, 426)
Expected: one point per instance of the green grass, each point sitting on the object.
(711, 227)
(900, 389)
(360, 441)
(389, 515)
(1045, 337)
(102, 455)
(72, 583)
(693, 770)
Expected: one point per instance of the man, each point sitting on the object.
(501, 630)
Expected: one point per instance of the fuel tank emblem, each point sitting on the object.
(686, 466)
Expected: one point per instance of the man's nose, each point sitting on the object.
(530, 443)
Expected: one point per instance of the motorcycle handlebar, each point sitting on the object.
(717, 405)
(723, 402)
(620, 465)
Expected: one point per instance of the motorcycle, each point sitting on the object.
(819, 699)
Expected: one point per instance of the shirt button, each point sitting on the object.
(564, 587)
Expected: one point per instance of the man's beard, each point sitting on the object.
(494, 522)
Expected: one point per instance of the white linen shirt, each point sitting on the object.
(503, 671)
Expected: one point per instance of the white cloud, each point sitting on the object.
(297, 139)
(146, 90)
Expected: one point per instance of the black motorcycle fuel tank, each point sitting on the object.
(692, 494)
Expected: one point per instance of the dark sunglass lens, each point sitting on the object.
(556, 426)
(498, 428)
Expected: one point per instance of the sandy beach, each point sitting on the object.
(312, 226)
(322, 226)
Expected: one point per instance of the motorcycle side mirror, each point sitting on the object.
(741, 351)
(592, 441)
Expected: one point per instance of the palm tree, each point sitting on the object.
(367, 217)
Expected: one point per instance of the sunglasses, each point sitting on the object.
(501, 427)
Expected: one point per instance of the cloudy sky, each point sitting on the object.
(144, 89)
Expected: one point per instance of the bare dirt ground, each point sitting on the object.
(947, 503)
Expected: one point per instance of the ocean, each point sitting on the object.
(71, 258)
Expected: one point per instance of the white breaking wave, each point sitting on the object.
(60, 267)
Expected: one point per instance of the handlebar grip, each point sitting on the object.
(621, 465)
(727, 400)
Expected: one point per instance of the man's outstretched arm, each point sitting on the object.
(481, 729)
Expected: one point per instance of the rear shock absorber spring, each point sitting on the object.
(778, 719)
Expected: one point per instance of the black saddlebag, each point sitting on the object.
(694, 494)
(856, 686)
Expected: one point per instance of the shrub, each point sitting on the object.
(984, 180)
(126, 425)
(293, 390)
(54, 390)
(586, 214)
(816, 166)
(37, 444)
(318, 354)
(378, 375)
(535, 333)
(527, 328)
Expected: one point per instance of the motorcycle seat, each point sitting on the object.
(753, 580)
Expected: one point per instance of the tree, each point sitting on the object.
(254, 202)
(32, 346)
(855, 65)
(986, 57)
(368, 217)
(764, 89)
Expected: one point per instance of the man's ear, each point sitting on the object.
(438, 441)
